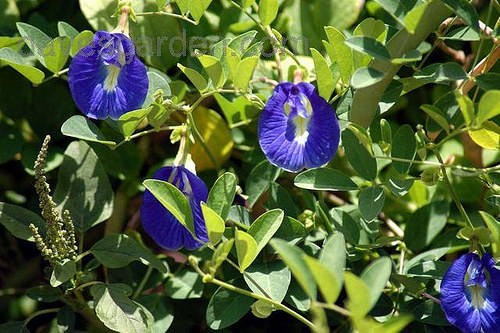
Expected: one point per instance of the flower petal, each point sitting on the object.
(457, 308)
(106, 78)
(490, 314)
(161, 225)
(278, 130)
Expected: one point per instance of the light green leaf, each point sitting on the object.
(117, 311)
(214, 223)
(222, 194)
(324, 76)
(214, 69)
(196, 78)
(220, 255)
(129, 121)
(118, 250)
(263, 229)
(81, 127)
(324, 179)
(174, 201)
(269, 278)
(268, 10)
(157, 81)
(294, 259)
(435, 113)
(161, 4)
(56, 53)
(67, 30)
(369, 46)
(79, 42)
(466, 106)
(489, 106)
(342, 54)
(371, 202)
(14, 60)
(62, 272)
(494, 228)
(366, 77)
(246, 68)
(414, 17)
(466, 11)
(488, 136)
(36, 39)
(376, 276)
(246, 249)
(198, 8)
(327, 281)
(357, 290)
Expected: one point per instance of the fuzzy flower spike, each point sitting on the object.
(106, 78)
(470, 294)
(298, 129)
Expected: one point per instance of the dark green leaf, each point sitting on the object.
(185, 284)
(17, 220)
(404, 147)
(226, 308)
(222, 194)
(324, 179)
(466, 11)
(82, 128)
(259, 180)
(162, 310)
(371, 202)
(358, 156)
(488, 81)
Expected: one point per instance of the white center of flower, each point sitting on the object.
(301, 132)
(476, 293)
(111, 80)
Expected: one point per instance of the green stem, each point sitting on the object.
(178, 16)
(144, 280)
(143, 133)
(458, 167)
(209, 279)
(88, 284)
(452, 190)
(82, 255)
(335, 307)
(39, 313)
(58, 74)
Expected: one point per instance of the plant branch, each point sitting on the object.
(178, 16)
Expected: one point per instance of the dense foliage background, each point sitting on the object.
(415, 183)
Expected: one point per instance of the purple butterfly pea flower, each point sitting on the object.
(106, 78)
(470, 294)
(161, 225)
(298, 129)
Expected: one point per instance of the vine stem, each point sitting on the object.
(452, 190)
(143, 133)
(58, 74)
(88, 284)
(178, 16)
(207, 278)
(335, 307)
(39, 313)
(144, 280)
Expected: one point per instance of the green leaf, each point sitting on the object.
(83, 187)
(489, 107)
(324, 76)
(372, 28)
(118, 250)
(369, 46)
(397, 8)
(186, 284)
(174, 201)
(14, 60)
(220, 255)
(62, 272)
(376, 276)
(214, 223)
(466, 106)
(400, 187)
(440, 73)
(268, 10)
(66, 30)
(435, 113)
(222, 194)
(117, 311)
(357, 290)
(35, 39)
(246, 249)
(425, 224)
(66, 319)
(161, 4)
(263, 229)
(405, 147)
(259, 180)
(465, 34)
(214, 69)
(246, 68)
(79, 42)
(342, 54)
(269, 278)
(488, 136)
(326, 280)
(488, 81)
(45, 293)
(371, 202)
(324, 179)
(198, 8)
(291, 230)
(14, 327)
(196, 78)
(466, 11)
(408, 57)
(494, 228)
(17, 221)
(494, 200)
(129, 121)
(366, 77)
(157, 81)
(358, 156)
(279, 197)
(294, 259)
(415, 16)
(81, 127)
(226, 308)
(386, 135)
(162, 310)
(56, 53)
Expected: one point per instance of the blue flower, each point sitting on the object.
(161, 225)
(470, 294)
(106, 78)
(298, 129)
